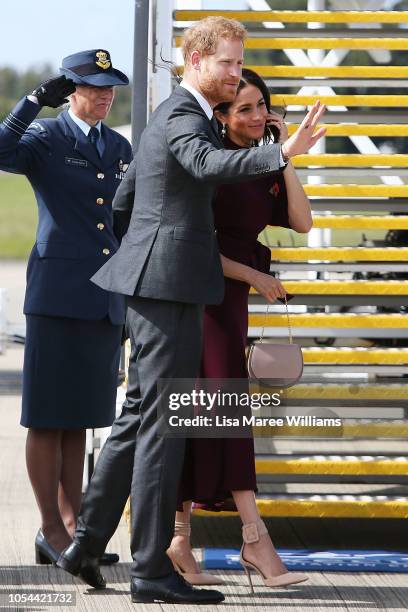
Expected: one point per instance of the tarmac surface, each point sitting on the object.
(20, 577)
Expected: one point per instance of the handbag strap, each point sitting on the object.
(288, 318)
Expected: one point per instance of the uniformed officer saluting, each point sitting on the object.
(74, 164)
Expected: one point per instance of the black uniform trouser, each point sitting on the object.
(166, 342)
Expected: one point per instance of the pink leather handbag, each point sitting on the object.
(275, 365)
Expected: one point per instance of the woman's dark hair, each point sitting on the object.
(249, 77)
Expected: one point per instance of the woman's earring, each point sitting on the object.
(224, 130)
(269, 133)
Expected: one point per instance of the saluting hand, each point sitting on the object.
(54, 92)
(304, 139)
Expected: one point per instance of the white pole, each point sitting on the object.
(162, 46)
(317, 237)
(140, 82)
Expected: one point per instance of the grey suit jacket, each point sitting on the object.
(170, 249)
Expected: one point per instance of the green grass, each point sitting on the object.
(18, 221)
(18, 217)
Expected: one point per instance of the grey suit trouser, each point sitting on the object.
(166, 343)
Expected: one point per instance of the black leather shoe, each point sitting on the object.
(79, 563)
(44, 552)
(171, 589)
(108, 559)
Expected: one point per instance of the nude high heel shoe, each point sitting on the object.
(251, 532)
(199, 578)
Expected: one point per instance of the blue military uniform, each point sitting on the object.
(74, 188)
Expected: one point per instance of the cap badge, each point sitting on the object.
(102, 60)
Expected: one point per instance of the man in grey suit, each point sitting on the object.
(169, 267)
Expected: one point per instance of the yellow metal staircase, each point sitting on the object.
(378, 197)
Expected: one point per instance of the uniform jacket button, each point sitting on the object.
(100, 175)
(99, 201)
(100, 226)
(106, 251)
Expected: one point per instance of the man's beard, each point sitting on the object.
(212, 88)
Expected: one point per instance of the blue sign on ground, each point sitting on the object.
(318, 560)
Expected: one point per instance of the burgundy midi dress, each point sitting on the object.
(215, 467)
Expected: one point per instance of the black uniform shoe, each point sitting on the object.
(108, 559)
(79, 563)
(44, 552)
(171, 589)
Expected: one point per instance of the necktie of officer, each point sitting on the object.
(95, 139)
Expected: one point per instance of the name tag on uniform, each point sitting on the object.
(73, 161)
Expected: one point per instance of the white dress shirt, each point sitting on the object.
(200, 99)
(83, 125)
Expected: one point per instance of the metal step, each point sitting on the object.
(330, 41)
(360, 129)
(348, 320)
(295, 16)
(379, 465)
(352, 160)
(357, 191)
(355, 355)
(363, 222)
(350, 428)
(375, 254)
(342, 287)
(327, 506)
(371, 204)
(333, 325)
(354, 72)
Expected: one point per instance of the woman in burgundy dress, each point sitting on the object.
(215, 469)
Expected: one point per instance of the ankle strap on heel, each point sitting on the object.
(181, 528)
(251, 532)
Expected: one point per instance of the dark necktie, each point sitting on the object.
(94, 138)
(214, 124)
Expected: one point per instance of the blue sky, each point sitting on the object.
(35, 32)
